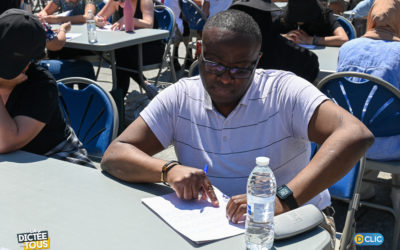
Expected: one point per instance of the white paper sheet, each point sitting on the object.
(197, 220)
(65, 13)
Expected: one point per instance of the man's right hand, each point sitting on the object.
(188, 182)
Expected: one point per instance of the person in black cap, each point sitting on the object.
(278, 52)
(307, 22)
(30, 116)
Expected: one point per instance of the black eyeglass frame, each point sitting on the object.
(225, 68)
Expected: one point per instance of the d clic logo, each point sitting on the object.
(34, 240)
(368, 239)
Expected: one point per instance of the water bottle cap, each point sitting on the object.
(262, 161)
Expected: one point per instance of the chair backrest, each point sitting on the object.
(193, 14)
(373, 101)
(165, 19)
(347, 26)
(91, 112)
(194, 69)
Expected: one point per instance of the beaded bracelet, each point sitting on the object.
(165, 168)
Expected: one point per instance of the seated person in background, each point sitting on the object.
(307, 22)
(55, 41)
(278, 52)
(30, 115)
(78, 11)
(63, 68)
(128, 57)
(377, 53)
(231, 114)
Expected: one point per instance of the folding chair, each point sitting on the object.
(194, 69)
(166, 20)
(347, 26)
(377, 104)
(196, 19)
(91, 112)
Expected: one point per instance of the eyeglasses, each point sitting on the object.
(236, 73)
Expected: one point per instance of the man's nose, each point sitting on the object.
(226, 77)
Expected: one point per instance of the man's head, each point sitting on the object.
(22, 39)
(230, 53)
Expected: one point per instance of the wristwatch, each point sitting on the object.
(286, 195)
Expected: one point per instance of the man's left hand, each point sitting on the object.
(237, 207)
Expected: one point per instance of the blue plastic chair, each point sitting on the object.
(347, 26)
(376, 103)
(91, 112)
(196, 20)
(166, 20)
(194, 69)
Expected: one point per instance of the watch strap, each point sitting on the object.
(289, 199)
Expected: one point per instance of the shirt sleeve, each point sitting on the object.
(160, 115)
(39, 99)
(298, 100)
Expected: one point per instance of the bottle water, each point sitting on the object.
(261, 191)
(91, 27)
(128, 16)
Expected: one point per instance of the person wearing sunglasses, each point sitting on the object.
(229, 115)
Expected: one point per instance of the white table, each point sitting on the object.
(109, 41)
(327, 58)
(82, 208)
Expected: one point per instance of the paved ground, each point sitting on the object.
(368, 220)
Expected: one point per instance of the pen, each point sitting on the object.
(205, 169)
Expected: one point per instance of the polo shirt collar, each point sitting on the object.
(244, 101)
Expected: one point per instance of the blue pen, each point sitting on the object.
(205, 169)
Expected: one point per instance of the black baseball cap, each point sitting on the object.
(263, 5)
(22, 39)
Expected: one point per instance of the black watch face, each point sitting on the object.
(284, 192)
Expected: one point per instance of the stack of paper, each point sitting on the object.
(197, 220)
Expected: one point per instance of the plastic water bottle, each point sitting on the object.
(261, 191)
(91, 27)
(128, 16)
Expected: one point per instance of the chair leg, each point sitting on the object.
(99, 66)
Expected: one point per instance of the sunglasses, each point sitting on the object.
(234, 72)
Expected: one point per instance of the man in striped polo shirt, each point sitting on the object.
(231, 114)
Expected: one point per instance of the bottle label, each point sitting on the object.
(260, 209)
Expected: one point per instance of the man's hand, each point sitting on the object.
(237, 207)
(188, 182)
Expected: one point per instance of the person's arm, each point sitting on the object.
(362, 8)
(147, 8)
(77, 19)
(343, 138)
(58, 42)
(206, 7)
(300, 36)
(16, 132)
(129, 158)
(50, 8)
(106, 12)
(338, 39)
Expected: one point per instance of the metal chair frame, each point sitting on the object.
(167, 58)
(196, 19)
(383, 119)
